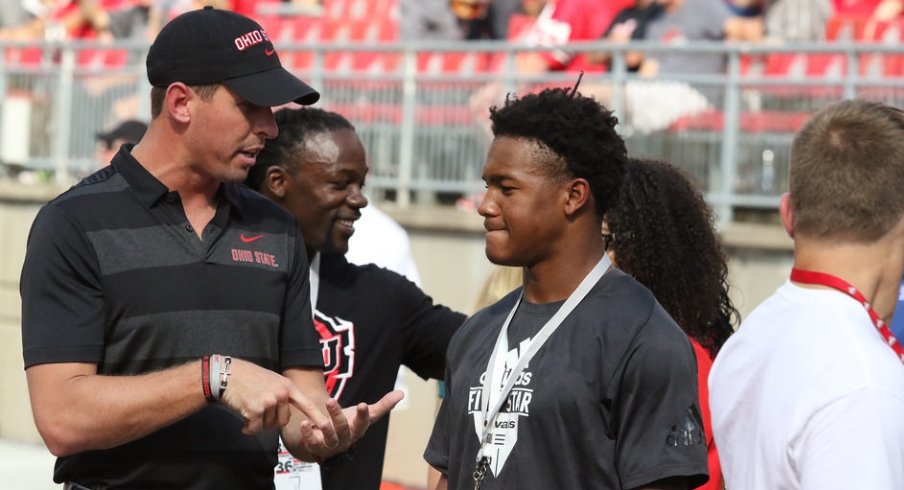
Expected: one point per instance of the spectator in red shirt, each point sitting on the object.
(560, 22)
(876, 12)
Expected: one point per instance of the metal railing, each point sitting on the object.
(420, 108)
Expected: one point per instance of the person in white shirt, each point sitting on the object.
(380, 240)
(809, 394)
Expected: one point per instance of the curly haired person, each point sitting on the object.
(661, 233)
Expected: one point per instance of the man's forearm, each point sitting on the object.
(76, 409)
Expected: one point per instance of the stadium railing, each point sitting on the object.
(421, 107)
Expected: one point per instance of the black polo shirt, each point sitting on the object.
(115, 275)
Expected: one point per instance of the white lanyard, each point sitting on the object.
(315, 280)
(496, 366)
(290, 473)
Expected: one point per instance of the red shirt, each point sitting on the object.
(83, 30)
(704, 365)
(564, 21)
(855, 7)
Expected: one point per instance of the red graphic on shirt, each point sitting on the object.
(254, 257)
(337, 341)
(249, 239)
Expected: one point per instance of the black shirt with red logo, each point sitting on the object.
(372, 321)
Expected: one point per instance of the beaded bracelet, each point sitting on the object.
(205, 379)
(215, 371)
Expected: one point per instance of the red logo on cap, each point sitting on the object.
(269, 52)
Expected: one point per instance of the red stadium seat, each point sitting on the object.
(250, 8)
(751, 122)
(24, 56)
(390, 113)
(785, 65)
(367, 31)
(842, 27)
(296, 29)
(102, 59)
(461, 62)
(358, 9)
(880, 65)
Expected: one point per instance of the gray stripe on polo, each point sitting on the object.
(124, 249)
(139, 341)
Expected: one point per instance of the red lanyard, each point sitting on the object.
(822, 279)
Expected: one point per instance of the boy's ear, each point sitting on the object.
(579, 196)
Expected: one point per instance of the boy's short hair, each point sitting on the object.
(847, 172)
(571, 128)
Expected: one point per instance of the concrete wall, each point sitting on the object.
(18, 206)
(448, 248)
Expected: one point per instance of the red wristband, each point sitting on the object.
(205, 378)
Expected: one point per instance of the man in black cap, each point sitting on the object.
(108, 142)
(166, 319)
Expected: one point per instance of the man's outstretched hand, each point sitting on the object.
(349, 425)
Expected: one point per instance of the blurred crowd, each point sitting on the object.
(540, 22)
(108, 19)
(547, 25)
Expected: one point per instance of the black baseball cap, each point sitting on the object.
(130, 131)
(218, 46)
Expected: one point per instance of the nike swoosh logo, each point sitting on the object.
(249, 239)
(269, 52)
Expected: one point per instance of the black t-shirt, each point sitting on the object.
(608, 402)
(371, 321)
